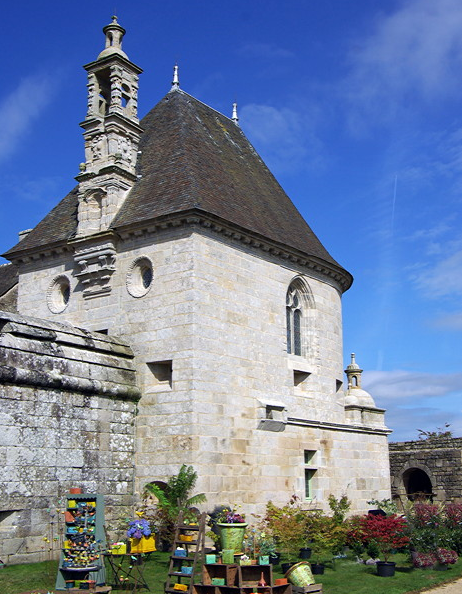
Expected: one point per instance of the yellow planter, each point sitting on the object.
(145, 544)
(118, 548)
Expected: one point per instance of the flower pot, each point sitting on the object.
(317, 568)
(385, 568)
(305, 553)
(232, 536)
(75, 490)
(263, 560)
(275, 558)
(285, 567)
(300, 575)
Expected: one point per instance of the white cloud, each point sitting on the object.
(449, 321)
(415, 52)
(20, 108)
(443, 278)
(282, 136)
(403, 387)
(406, 422)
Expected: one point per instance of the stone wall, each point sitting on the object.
(67, 419)
(440, 459)
(210, 344)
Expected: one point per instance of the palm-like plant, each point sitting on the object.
(175, 498)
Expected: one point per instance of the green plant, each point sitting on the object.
(339, 507)
(327, 536)
(386, 505)
(287, 524)
(175, 498)
(266, 545)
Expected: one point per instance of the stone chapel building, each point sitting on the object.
(176, 308)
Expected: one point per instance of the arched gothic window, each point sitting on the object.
(294, 321)
(300, 308)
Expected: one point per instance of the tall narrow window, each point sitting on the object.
(310, 471)
(294, 322)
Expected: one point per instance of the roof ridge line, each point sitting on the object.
(199, 101)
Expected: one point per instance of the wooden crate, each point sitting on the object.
(230, 573)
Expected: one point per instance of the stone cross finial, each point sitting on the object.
(235, 117)
(176, 79)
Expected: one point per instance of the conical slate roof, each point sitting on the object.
(196, 159)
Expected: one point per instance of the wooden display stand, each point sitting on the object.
(81, 558)
(238, 579)
(190, 541)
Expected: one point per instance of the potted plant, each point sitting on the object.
(231, 525)
(173, 498)
(445, 557)
(388, 533)
(140, 534)
(266, 548)
(327, 536)
(288, 526)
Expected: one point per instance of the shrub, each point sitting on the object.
(445, 556)
(422, 560)
(388, 532)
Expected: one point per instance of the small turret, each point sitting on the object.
(114, 35)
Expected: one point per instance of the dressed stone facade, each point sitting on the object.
(229, 302)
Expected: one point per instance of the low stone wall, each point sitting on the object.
(439, 458)
(67, 417)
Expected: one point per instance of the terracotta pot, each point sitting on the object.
(75, 490)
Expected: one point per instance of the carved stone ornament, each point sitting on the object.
(96, 265)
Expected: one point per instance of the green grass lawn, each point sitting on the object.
(344, 577)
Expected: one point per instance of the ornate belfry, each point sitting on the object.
(112, 133)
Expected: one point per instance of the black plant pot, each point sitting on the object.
(285, 567)
(305, 553)
(275, 558)
(317, 568)
(385, 568)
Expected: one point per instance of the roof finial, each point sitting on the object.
(235, 116)
(176, 80)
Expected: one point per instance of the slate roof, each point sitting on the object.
(195, 159)
(8, 277)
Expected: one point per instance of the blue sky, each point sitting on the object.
(356, 107)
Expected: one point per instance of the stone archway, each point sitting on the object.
(417, 483)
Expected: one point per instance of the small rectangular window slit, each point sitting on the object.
(162, 373)
(300, 377)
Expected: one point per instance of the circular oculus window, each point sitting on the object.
(59, 294)
(139, 277)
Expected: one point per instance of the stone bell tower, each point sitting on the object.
(112, 133)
